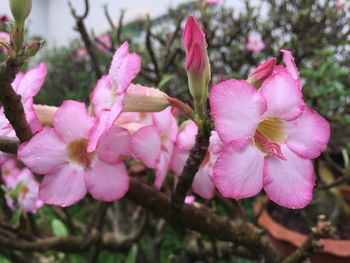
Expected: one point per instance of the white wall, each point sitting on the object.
(52, 18)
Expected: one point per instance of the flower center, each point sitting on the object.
(268, 137)
(77, 153)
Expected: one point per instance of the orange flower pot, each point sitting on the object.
(286, 240)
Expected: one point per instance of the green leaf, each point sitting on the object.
(132, 254)
(58, 227)
(16, 217)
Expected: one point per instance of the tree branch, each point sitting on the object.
(11, 101)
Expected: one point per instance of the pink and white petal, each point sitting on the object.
(178, 160)
(101, 97)
(187, 136)
(31, 116)
(105, 121)
(238, 171)
(63, 187)
(32, 82)
(107, 182)
(163, 120)
(146, 146)
(162, 169)
(283, 96)
(17, 80)
(203, 184)
(72, 121)
(236, 108)
(44, 152)
(124, 68)
(289, 183)
(215, 143)
(288, 60)
(307, 135)
(115, 146)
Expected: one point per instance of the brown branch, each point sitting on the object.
(8, 144)
(196, 156)
(202, 221)
(11, 101)
(120, 26)
(80, 27)
(158, 203)
(150, 49)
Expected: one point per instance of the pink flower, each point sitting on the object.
(60, 153)
(290, 67)
(212, 2)
(108, 96)
(22, 180)
(255, 43)
(4, 37)
(82, 53)
(339, 5)
(270, 138)
(153, 144)
(104, 42)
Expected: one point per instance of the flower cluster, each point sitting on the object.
(265, 135)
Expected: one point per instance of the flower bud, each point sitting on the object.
(33, 48)
(20, 10)
(197, 63)
(262, 72)
(144, 99)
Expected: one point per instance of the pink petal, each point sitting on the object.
(187, 136)
(288, 60)
(101, 97)
(124, 68)
(236, 108)
(308, 134)
(178, 160)
(105, 121)
(193, 34)
(162, 168)
(107, 182)
(283, 96)
(238, 171)
(72, 121)
(32, 81)
(44, 152)
(31, 116)
(215, 144)
(63, 187)
(17, 80)
(163, 120)
(115, 146)
(203, 184)
(289, 183)
(146, 146)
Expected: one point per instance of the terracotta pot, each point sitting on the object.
(286, 240)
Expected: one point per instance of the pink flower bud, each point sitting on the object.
(144, 99)
(193, 33)
(195, 60)
(212, 2)
(262, 72)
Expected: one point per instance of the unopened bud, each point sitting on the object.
(197, 63)
(144, 99)
(20, 10)
(33, 48)
(262, 72)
